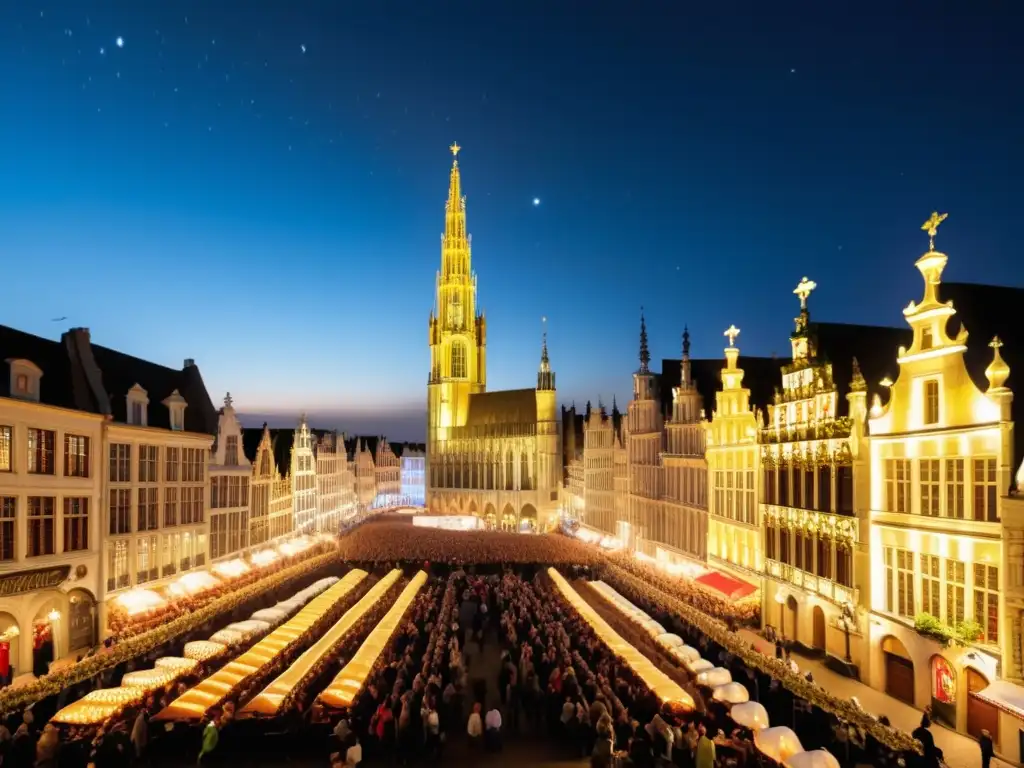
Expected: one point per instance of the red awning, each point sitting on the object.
(732, 588)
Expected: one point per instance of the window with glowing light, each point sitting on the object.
(927, 340)
(931, 585)
(458, 361)
(905, 582)
(986, 495)
(40, 451)
(897, 485)
(986, 600)
(5, 448)
(149, 456)
(929, 469)
(889, 557)
(76, 456)
(931, 401)
(955, 488)
(955, 586)
(117, 565)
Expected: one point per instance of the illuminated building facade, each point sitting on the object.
(815, 500)
(51, 509)
(388, 472)
(331, 475)
(492, 454)
(303, 474)
(361, 461)
(734, 527)
(272, 508)
(413, 474)
(230, 474)
(941, 456)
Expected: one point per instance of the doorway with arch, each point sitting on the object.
(899, 670)
(981, 714)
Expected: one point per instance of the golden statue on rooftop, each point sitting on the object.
(455, 149)
(932, 227)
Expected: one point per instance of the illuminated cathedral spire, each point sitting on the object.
(545, 377)
(645, 356)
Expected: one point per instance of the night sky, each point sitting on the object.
(260, 185)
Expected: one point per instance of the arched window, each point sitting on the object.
(458, 360)
(510, 469)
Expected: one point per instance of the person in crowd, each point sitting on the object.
(492, 730)
(987, 748)
(705, 749)
(475, 726)
(354, 754)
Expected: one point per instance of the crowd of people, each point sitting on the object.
(440, 687)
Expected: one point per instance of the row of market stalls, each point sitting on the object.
(778, 743)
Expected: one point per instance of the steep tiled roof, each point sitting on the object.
(121, 372)
(57, 385)
(88, 377)
(510, 406)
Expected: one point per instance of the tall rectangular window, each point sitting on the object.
(929, 469)
(844, 565)
(955, 488)
(42, 531)
(192, 465)
(985, 490)
(897, 485)
(170, 507)
(147, 518)
(825, 488)
(118, 576)
(76, 456)
(40, 451)
(986, 600)
(905, 582)
(120, 511)
(218, 535)
(172, 462)
(931, 401)
(148, 458)
(6, 437)
(931, 585)
(76, 524)
(955, 584)
(231, 451)
(8, 520)
(823, 566)
(120, 463)
(889, 557)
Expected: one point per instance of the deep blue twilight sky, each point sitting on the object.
(260, 185)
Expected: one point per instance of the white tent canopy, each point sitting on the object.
(778, 743)
(816, 758)
(731, 693)
(750, 715)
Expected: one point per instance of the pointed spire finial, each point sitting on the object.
(732, 332)
(455, 150)
(228, 402)
(645, 355)
(998, 371)
(932, 227)
(857, 382)
(803, 290)
(686, 341)
(544, 341)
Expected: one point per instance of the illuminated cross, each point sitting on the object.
(996, 342)
(803, 290)
(455, 149)
(932, 227)
(732, 333)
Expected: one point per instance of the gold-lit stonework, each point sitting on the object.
(940, 453)
(492, 454)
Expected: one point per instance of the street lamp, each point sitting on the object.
(849, 616)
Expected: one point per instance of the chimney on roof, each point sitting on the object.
(189, 363)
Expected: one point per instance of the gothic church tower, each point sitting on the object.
(458, 333)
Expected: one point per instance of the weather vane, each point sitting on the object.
(455, 149)
(732, 332)
(803, 290)
(932, 227)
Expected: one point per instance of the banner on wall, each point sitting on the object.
(5, 659)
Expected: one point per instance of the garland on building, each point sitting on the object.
(13, 699)
(715, 630)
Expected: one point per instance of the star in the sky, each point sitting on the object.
(120, 41)
(536, 202)
(103, 51)
(303, 48)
